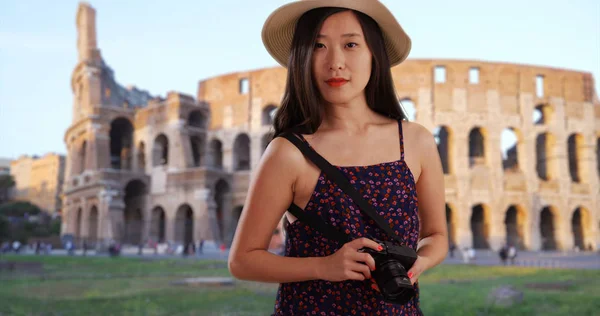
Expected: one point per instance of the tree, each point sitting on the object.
(6, 184)
(4, 229)
(19, 209)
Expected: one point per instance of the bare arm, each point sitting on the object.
(269, 196)
(433, 244)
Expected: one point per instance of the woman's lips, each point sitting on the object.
(336, 82)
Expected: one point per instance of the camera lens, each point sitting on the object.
(397, 287)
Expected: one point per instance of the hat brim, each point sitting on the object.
(278, 29)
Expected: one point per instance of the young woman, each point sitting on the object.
(340, 101)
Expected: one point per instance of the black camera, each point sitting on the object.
(391, 268)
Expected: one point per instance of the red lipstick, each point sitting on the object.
(336, 82)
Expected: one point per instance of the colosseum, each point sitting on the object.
(520, 147)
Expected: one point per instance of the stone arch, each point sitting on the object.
(582, 228)
(548, 228)
(480, 226)
(477, 155)
(197, 144)
(93, 225)
(515, 222)
(216, 154)
(241, 152)
(451, 224)
(141, 156)
(268, 114)
(158, 224)
(443, 138)
(221, 193)
(266, 140)
(184, 224)
(545, 161)
(121, 143)
(408, 108)
(575, 147)
(510, 140)
(135, 195)
(197, 119)
(542, 114)
(160, 151)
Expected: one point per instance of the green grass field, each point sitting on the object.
(134, 286)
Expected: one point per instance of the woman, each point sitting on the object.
(340, 101)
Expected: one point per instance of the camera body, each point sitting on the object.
(391, 268)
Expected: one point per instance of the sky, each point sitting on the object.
(162, 46)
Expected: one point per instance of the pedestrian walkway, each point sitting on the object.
(538, 259)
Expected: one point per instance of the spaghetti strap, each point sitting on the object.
(401, 140)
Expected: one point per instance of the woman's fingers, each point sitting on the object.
(365, 243)
(362, 268)
(364, 258)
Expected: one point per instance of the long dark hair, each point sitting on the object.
(302, 107)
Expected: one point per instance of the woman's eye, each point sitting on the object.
(351, 45)
(319, 45)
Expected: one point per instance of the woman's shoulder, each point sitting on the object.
(416, 131)
(282, 151)
(419, 139)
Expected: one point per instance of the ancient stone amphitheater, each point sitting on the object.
(520, 147)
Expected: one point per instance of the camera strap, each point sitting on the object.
(339, 178)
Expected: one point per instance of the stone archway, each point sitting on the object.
(221, 193)
(158, 224)
(215, 154)
(241, 153)
(575, 147)
(268, 114)
(160, 151)
(184, 225)
(121, 143)
(515, 221)
(510, 140)
(135, 195)
(443, 139)
(477, 146)
(480, 226)
(545, 160)
(581, 228)
(451, 225)
(93, 225)
(407, 106)
(548, 229)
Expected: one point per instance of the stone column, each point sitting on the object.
(146, 217)
(255, 149)
(228, 154)
(177, 146)
(91, 155)
(170, 226)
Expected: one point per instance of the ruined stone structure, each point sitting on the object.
(142, 167)
(178, 169)
(39, 180)
(540, 192)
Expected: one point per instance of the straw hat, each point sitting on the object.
(278, 30)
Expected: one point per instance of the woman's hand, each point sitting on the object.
(348, 263)
(420, 265)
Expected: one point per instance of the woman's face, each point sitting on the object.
(341, 61)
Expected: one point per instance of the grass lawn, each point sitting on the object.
(137, 286)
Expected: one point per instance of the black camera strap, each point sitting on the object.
(344, 184)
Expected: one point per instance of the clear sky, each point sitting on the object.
(170, 45)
